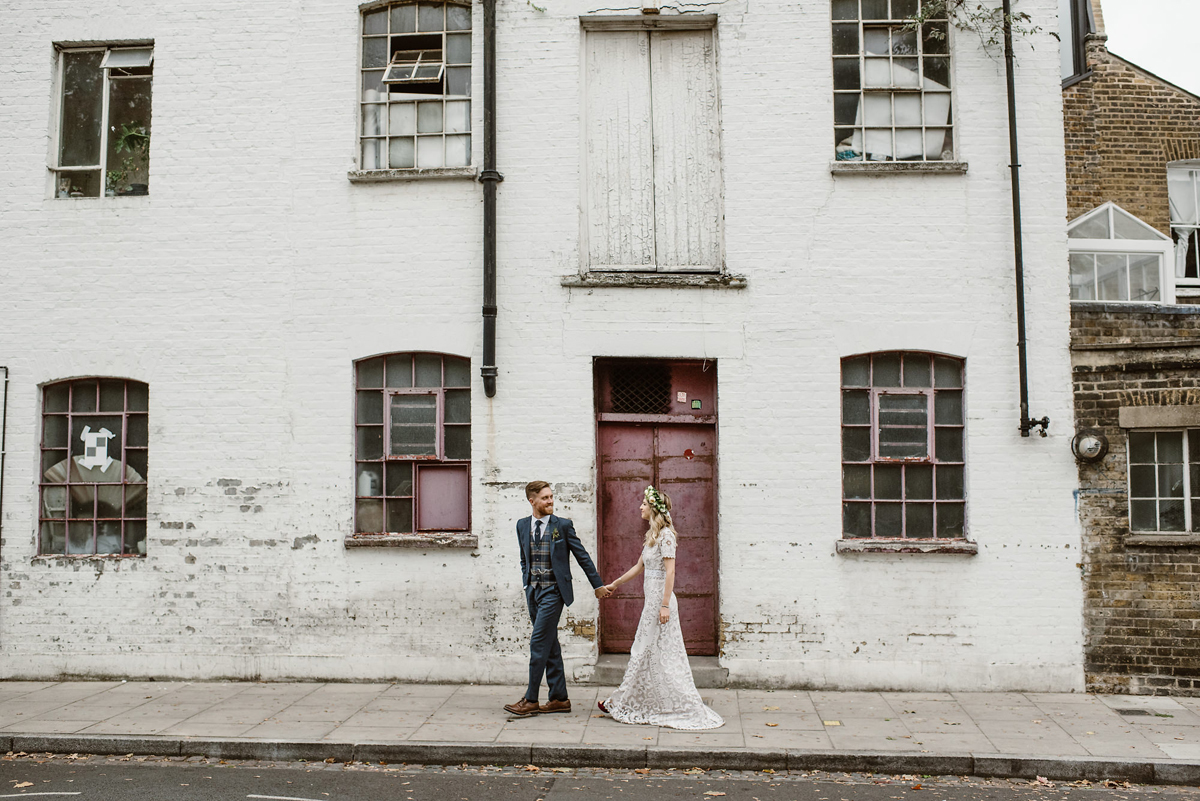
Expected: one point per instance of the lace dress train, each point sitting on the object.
(658, 688)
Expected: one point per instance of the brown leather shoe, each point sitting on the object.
(523, 708)
(555, 706)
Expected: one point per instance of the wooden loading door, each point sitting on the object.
(649, 433)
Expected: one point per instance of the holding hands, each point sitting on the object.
(603, 591)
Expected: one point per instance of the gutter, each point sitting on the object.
(1027, 424)
(489, 178)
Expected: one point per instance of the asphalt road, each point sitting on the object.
(114, 779)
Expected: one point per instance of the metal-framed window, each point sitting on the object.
(103, 129)
(1164, 480)
(412, 444)
(1116, 256)
(891, 83)
(903, 466)
(1183, 188)
(94, 452)
(416, 86)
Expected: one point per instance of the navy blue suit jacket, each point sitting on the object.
(562, 538)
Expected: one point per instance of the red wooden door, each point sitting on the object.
(679, 459)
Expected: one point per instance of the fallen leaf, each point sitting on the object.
(643, 771)
(713, 792)
(770, 709)
(1089, 732)
(831, 722)
(532, 768)
(916, 787)
(772, 725)
(23, 784)
(1037, 721)
(768, 770)
(560, 770)
(647, 738)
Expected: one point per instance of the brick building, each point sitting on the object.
(754, 255)
(1133, 154)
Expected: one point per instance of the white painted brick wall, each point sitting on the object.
(243, 287)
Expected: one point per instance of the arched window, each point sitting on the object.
(95, 437)
(412, 444)
(902, 446)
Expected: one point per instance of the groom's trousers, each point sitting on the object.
(545, 655)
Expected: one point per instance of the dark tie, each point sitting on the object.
(538, 533)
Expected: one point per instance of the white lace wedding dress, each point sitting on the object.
(658, 688)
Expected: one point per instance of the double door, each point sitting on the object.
(678, 458)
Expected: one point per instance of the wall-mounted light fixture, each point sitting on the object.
(1089, 445)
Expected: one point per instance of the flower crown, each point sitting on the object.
(657, 502)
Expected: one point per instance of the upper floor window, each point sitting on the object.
(416, 86)
(1074, 24)
(902, 446)
(652, 182)
(1117, 257)
(93, 472)
(103, 132)
(412, 444)
(1183, 187)
(1164, 480)
(891, 82)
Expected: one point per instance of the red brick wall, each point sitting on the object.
(1122, 126)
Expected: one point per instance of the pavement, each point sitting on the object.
(1059, 736)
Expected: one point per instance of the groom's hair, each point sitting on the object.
(533, 488)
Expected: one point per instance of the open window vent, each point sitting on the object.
(640, 388)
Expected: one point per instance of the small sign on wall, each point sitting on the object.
(681, 397)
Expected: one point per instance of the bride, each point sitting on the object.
(658, 688)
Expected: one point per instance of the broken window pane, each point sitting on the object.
(910, 72)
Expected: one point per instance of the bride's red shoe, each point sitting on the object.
(603, 708)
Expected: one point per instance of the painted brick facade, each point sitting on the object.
(244, 286)
(1142, 598)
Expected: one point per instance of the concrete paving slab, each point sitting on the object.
(1173, 750)
(446, 732)
(291, 730)
(835, 705)
(354, 734)
(1123, 749)
(207, 730)
(757, 722)
(541, 737)
(50, 726)
(626, 735)
(935, 742)
(846, 742)
(790, 739)
(790, 703)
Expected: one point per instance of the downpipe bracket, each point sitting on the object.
(1028, 424)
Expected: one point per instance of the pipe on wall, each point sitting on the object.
(489, 177)
(1027, 424)
(3, 443)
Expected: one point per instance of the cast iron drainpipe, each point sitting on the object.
(489, 177)
(1027, 424)
(3, 440)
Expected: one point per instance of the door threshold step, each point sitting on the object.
(706, 670)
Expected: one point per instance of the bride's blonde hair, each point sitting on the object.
(660, 516)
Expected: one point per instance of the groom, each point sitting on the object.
(546, 575)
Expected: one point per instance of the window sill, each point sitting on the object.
(1164, 540)
(959, 547)
(882, 167)
(77, 557)
(386, 176)
(670, 280)
(455, 539)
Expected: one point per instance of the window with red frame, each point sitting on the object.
(93, 471)
(412, 444)
(902, 446)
